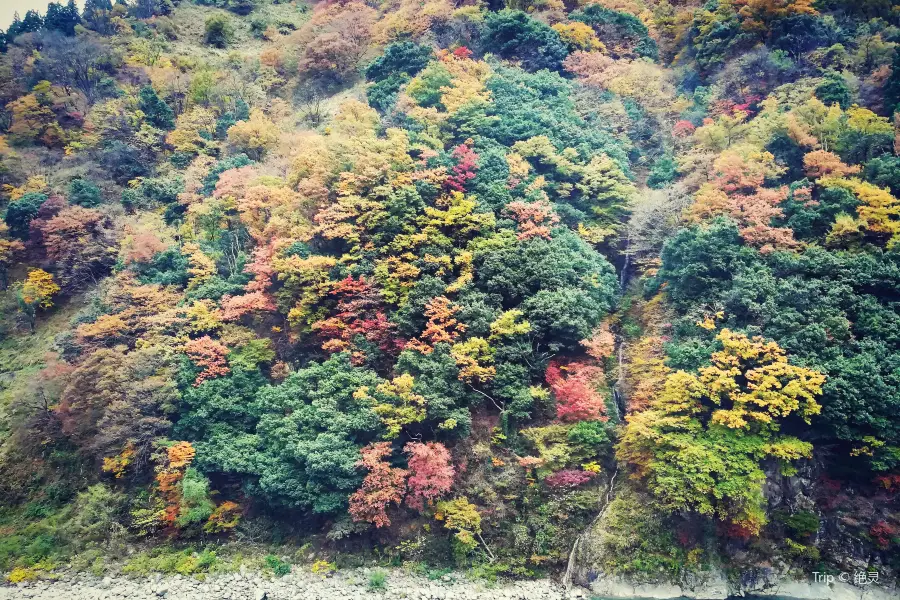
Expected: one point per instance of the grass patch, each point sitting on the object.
(171, 561)
(377, 580)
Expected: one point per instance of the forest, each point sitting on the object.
(446, 283)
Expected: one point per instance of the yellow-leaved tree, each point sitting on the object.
(701, 444)
(36, 292)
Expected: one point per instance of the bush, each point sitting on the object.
(377, 580)
(834, 90)
(219, 31)
(619, 30)
(84, 192)
(400, 57)
(802, 524)
(157, 112)
(590, 435)
(664, 171)
(513, 34)
(884, 171)
(21, 212)
(278, 567)
(171, 561)
(123, 161)
(94, 516)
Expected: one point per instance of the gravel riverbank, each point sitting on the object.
(350, 585)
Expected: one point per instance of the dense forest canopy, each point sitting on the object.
(424, 276)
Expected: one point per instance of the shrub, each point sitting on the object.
(515, 35)
(834, 90)
(589, 434)
(157, 112)
(278, 567)
(84, 192)
(95, 515)
(219, 31)
(400, 57)
(569, 478)
(663, 171)
(802, 524)
(377, 580)
(21, 212)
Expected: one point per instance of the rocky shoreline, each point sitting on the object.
(400, 585)
(297, 585)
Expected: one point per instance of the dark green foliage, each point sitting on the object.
(699, 262)
(813, 222)
(232, 162)
(618, 29)
(884, 171)
(857, 147)
(399, 58)
(526, 105)
(801, 524)
(447, 398)
(62, 18)
(21, 212)
(788, 153)
(892, 87)
(218, 31)
(279, 567)
(400, 62)
(382, 94)
(157, 112)
(84, 192)
(514, 35)
(224, 401)
(590, 435)
(31, 23)
(153, 192)
(241, 112)
(216, 287)
(238, 7)
(169, 267)
(295, 443)
(832, 311)
(144, 9)
(124, 161)
(410, 319)
(311, 432)
(714, 44)
(563, 285)
(664, 171)
(798, 34)
(834, 89)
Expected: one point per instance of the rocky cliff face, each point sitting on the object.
(631, 551)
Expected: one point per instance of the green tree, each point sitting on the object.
(892, 87)
(514, 34)
(701, 442)
(218, 31)
(157, 112)
(84, 192)
(834, 90)
(20, 213)
(62, 18)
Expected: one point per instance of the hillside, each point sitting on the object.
(605, 292)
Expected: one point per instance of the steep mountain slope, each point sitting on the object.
(453, 284)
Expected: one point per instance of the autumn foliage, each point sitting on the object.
(383, 485)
